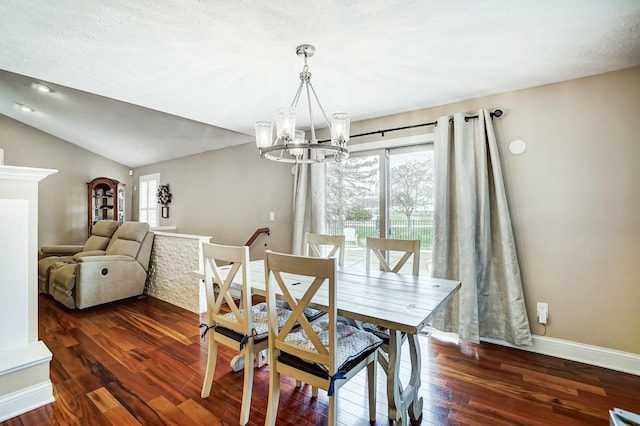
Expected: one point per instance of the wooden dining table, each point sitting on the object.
(402, 304)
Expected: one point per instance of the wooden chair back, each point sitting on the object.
(321, 273)
(317, 245)
(380, 246)
(234, 260)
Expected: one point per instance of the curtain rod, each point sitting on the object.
(496, 113)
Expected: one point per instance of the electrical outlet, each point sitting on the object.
(543, 312)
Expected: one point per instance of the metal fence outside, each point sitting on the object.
(419, 229)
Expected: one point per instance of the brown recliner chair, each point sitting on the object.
(118, 274)
(48, 256)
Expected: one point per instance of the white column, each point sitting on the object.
(24, 360)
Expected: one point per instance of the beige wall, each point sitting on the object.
(228, 194)
(573, 195)
(62, 215)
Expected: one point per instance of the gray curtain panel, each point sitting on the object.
(300, 190)
(308, 203)
(473, 237)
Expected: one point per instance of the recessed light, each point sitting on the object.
(22, 107)
(41, 87)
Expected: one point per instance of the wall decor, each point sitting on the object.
(164, 197)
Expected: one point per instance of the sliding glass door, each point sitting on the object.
(410, 189)
(381, 193)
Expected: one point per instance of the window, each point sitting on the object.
(148, 203)
(383, 192)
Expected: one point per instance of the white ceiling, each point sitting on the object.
(149, 80)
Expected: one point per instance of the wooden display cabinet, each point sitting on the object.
(105, 201)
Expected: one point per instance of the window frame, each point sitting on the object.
(151, 202)
(384, 149)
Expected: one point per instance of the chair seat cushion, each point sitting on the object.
(238, 337)
(372, 328)
(310, 313)
(381, 332)
(353, 346)
(260, 324)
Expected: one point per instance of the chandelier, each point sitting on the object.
(291, 145)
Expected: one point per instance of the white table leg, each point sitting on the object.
(397, 408)
(403, 400)
(237, 363)
(416, 402)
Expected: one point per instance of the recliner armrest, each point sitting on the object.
(107, 258)
(59, 250)
(88, 253)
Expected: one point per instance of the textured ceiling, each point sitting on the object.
(179, 77)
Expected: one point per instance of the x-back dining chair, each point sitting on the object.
(240, 326)
(325, 354)
(379, 246)
(316, 245)
(323, 245)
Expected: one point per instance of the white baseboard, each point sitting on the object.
(625, 362)
(24, 379)
(26, 399)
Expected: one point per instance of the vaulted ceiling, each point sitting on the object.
(150, 80)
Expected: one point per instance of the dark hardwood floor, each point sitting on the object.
(142, 362)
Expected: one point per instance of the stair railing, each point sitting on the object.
(256, 234)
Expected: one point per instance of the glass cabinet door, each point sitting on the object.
(106, 201)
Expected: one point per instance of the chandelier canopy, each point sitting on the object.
(291, 145)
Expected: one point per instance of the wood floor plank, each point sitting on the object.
(121, 416)
(148, 326)
(74, 407)
(103, 400)
(170, 413)
(197, 413)
(88, 344)
(142, 361)
(545, 379)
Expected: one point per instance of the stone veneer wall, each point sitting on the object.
(173, 258)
